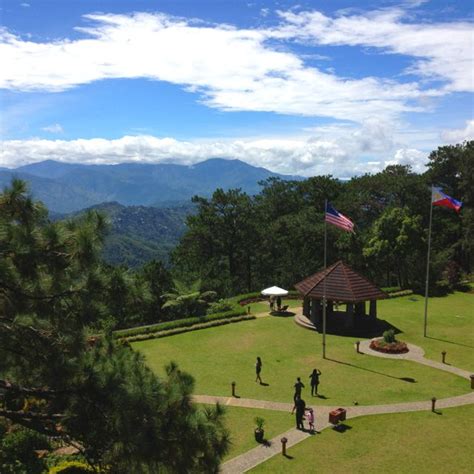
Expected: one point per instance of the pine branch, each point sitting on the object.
(37, 392)
(18, 291)
(40, 422)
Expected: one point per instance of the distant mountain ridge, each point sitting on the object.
(66, 187)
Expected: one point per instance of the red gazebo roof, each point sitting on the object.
(342, 284)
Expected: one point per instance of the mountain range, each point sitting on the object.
(66, 187)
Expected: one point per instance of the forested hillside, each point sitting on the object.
(138, 234)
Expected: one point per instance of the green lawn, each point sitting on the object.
(450, 325)
(220, 355)
(240, 422)
(421, 442)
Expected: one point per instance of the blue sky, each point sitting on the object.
(314, 87)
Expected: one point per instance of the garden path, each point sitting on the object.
(261, 453)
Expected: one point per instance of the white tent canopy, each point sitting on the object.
(274, 291)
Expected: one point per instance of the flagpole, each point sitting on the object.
(324, 281)
(428, 264)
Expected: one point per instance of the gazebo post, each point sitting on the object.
(314, 310)
(350, 315)
(306, 306)
(360, 309)
(373, 309)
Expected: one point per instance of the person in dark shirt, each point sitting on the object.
(300, 409)
(258, 369)
(314, 380)
(299, 385)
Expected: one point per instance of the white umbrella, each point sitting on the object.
(274, 291)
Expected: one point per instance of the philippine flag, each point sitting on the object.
(438, 198)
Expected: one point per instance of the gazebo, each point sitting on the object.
(342, 285)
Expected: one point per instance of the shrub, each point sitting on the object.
(396, 294)
(18, 451)
(389, 336)
(260, 422)
(172, 332)
(179, 323)
(71, 467)
(247, 298)
(391, 289)
(220, 306)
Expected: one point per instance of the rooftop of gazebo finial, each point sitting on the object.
(342, 284)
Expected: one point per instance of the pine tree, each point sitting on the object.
(92, 393)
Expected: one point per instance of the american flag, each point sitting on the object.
(339, 220)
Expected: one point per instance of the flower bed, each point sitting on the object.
(397, 347)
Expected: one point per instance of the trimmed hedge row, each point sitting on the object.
(194, 327)
(248, 298)
(179, 323)
(239, 302)
(396, 294)
(391, 289)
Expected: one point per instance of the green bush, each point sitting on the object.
(179, 323)
(220, 306)
(71, 467)
(389, 336)
(172, 332)
(18, 452)
(396, 294)
(260, 422)
(241, 299)
(391, 289)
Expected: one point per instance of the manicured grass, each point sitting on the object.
(420, 442)
(240, 422)
(218, 356)
(450, 325)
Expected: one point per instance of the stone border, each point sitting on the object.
(414, 352)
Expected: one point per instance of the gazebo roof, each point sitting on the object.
(342, 284)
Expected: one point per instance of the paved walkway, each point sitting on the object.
(261, 453)
(416, 354)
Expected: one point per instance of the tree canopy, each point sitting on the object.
(90, 392)
(238, 243)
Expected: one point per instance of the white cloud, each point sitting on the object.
(307, 156)
(409, 156)
(232, 69)
(460, 134)
(443, 50)
(54, 128)
(25, 5)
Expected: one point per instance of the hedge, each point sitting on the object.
(396, 294)
(391, 289)
(71, 467)
(239, 302)
(247, 298)
(179, 323)
(194, 327)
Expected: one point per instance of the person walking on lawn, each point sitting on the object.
(310, 418)
(314, 379)
(299, 385)
(258, 369)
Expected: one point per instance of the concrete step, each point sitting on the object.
(304, 322)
